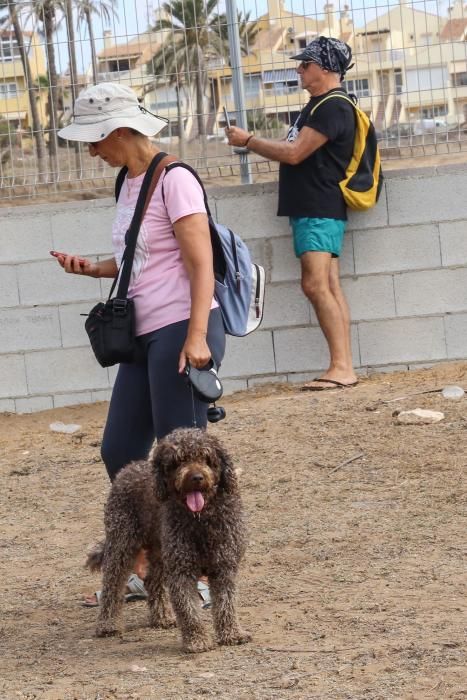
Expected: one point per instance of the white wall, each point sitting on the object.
(404, 270)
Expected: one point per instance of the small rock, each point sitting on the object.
(59, 427)
(453, 392)
(138, 669)
(418, 416)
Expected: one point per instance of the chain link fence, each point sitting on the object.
(410, 76)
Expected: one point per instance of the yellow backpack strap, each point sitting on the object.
(330, 97)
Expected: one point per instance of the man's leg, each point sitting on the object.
(320, 284)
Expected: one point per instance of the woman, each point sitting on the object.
(172, 284)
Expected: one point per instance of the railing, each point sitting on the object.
(193, 59)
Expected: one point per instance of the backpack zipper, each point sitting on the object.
(234, 252)
(257, 291)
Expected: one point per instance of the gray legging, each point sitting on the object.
(150, 398)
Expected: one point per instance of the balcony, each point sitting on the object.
(113, 75)
(11, 69)
(282, 90)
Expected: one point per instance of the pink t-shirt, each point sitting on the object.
(159, 283)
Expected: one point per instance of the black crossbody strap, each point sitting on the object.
(119, 182)
(147, 188)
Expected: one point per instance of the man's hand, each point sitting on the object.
(236, 136)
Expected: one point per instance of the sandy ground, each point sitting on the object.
(354, 581)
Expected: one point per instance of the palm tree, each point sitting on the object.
(88, 8)
(195, 35)
(165, 64)
(45, 12)
(67, 8)
(247, 31)
(193, 41)
(70, 30)
(31, 88)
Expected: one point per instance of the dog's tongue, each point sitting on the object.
(195, 501)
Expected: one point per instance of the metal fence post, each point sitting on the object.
(237, 83)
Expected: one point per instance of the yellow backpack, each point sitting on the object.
(363, 180)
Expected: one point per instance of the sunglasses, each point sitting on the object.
(304, 64)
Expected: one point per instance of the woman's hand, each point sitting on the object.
(237, 136)
(195, 351)
(83, 266)
(76, 265)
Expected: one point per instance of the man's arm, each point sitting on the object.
(291, 152)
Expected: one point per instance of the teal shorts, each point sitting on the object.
(322, 235)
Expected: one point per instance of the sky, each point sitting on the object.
(134, 16)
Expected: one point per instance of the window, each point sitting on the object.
(301, 43)
(121, 64)
(8, 90)
(359, 87)
(252, 85)
(398, 81)
(282, 88)
(434, 111)
(426, 39)
(459, 79)
(426, 78)
(9, 49)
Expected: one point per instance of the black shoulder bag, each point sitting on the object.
(110, 325)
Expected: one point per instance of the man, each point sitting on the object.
(313, 160)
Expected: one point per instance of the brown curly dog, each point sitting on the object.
(183, 506)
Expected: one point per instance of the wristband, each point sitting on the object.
(245, 145)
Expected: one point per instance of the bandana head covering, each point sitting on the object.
(330, 54)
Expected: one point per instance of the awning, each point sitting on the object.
(280, 76)
(13, 116)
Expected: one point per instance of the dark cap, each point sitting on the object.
(328, 53)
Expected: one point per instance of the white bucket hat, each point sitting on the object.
(102, 108)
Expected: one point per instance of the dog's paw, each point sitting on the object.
(196, 645)
(162, 622)
(237, 637)
(107, 629)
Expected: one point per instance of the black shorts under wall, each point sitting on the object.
(150, 398)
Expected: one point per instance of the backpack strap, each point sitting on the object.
(343, 96)
(180, 164)
(217, 252)
(119, 182)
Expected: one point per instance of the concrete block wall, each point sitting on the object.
(404, 271)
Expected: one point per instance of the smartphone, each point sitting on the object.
(226, 117)
(56, 254)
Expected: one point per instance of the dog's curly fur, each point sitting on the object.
(183, 506)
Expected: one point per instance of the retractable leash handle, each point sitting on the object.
(205, 383)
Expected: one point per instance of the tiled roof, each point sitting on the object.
(143, 47)
(268, 38)
(454, 29)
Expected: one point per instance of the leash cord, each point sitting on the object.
(193, 406)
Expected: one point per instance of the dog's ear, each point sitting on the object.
(162, 458)
(228, 481)
(162, 491)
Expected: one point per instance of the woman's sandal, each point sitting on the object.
(135, 591)
(204, 594)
